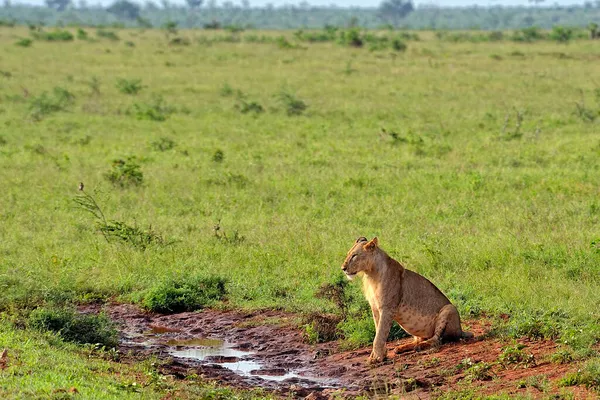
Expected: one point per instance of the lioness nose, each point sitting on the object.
(344, 267)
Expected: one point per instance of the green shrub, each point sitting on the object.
(81, 34)
(246, 107)
(163, 144)
(125, 173)
(561, 34)
(107, 35)
(46, 104)
(185, 294)
(55, 36)
(129, 86)
(588, 375)
(25, 42)
(292, 104)
(321, 328)
(351, 37)
(179, 41)
(398, 45)
(75, 327)
(516, 355)
(156, 110)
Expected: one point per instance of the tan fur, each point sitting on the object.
(398, 294)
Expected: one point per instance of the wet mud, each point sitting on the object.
(266, 349)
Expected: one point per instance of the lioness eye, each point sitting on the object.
(353, 255)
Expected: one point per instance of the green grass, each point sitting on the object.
(478, 172)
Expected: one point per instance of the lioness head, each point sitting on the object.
(359, 257)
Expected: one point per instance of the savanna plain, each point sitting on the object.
(236, 173)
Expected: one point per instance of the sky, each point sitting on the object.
(350, 3)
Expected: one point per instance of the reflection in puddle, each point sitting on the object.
(208, 349)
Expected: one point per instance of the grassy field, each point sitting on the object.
(476, 165)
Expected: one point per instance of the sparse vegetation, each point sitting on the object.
(487, 187)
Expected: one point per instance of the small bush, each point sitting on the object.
(55, 36)
(170, 27)
(516, 355)
(46, 104)
(561, 34)
(129, 86)
(179, 41)
(321, 328)
(25, 42)
(110, 35)
(185, 294)
(481, 371)
(74, 327)
(292, 104)
(130, 235)
(125, 173)
(398, 45)
(352, 38)
(82, 35)
(588, 375)
(218, 156)
(163, 144)
(246, 107)
(157, 110)
(562, 356)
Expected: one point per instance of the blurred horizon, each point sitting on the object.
(347, 3)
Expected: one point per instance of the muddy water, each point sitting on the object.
(219, 352)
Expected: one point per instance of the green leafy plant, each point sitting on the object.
(187, 293)
(46, 104)
(156, 110)
(291, 103)
(82, 34)
(75, 327)
(118, 231)
(129, 86)
(110, 35)
(25, 42)
(588, 375)
(54, 36)
(163, 144)
(125, 173)
(515, 354)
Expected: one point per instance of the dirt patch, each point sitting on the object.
(266, 349)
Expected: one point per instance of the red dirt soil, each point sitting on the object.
(324, 370)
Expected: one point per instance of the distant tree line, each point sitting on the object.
(391, 13)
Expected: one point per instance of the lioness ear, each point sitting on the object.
(372, 244)
(361, 239)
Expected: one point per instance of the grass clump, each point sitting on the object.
(588, 375)
(24, 42)
(188, 293)
(125, 173)
(75, 327)
(291, 103)
(163, 144)
(129, 86)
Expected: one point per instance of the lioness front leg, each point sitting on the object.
(382, 332)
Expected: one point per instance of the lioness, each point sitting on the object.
(396, 293)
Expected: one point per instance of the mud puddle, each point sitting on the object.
(266, 349)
